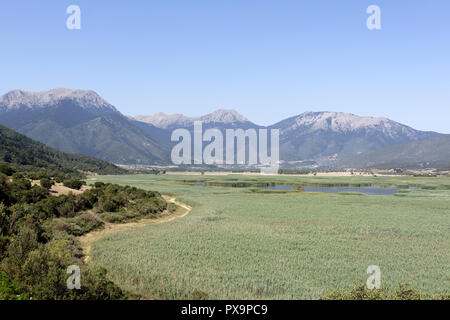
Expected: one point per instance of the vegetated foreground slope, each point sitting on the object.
(22, 152)
(38, 236)
(236, 244)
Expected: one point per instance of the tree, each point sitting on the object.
(7, 170)
(46, 183)
(73, 184)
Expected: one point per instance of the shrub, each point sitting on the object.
(9, 289)
(150, 206)
(18, 175)
(172, 207)
(88, 222)
(5, 191)
(7, 170)
(118, 217)
(46, 183)
(4, 242)
(110, 206)
(99, 184)
(402, 292)
(73, 184)
(25, 242)
(76, 226)
(44, 275)
(59, 179)
(37, 235)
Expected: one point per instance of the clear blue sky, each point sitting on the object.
(267, 59)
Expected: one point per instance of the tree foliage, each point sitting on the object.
(20, 153)
(38, 236)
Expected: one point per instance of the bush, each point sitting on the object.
(18, 175)
(44, 276)
(402, 292)
(4, 242)
(99, 184)
(46, 183)
(9, 289)
(21, 245)
(59, 179)
(118, 217)
(76, 226)
(110, 206)
(73, 184)
(172, 207)
(150, 206)
(38, 230)
(7, 170)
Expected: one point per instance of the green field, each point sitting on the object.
(241, 244)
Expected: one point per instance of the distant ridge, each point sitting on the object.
(164, 121)
(86, 99)
(324, 136)
(22, 152)
(430, 153)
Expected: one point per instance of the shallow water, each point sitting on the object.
(279, 187)
(275, 187)
(370, 190)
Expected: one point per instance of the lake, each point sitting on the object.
(369, 190)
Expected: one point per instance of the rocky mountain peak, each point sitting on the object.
(87, 99)
(337, 121)
(224, 116)
(162, 120)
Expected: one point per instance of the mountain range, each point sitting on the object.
(80, 121)
(220, 117)
(430, 153)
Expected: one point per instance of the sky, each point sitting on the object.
(268, 60)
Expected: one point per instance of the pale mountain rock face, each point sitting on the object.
(87, 99)
(326, 135)
(162, 120)
(224, 116)
(340, 122)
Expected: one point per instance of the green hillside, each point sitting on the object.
(21, 152)
(433, 153)
(110, 136)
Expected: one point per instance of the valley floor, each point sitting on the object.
(240, 244)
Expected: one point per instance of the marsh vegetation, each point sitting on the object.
(283, 244)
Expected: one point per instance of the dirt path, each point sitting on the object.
(88, 239)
